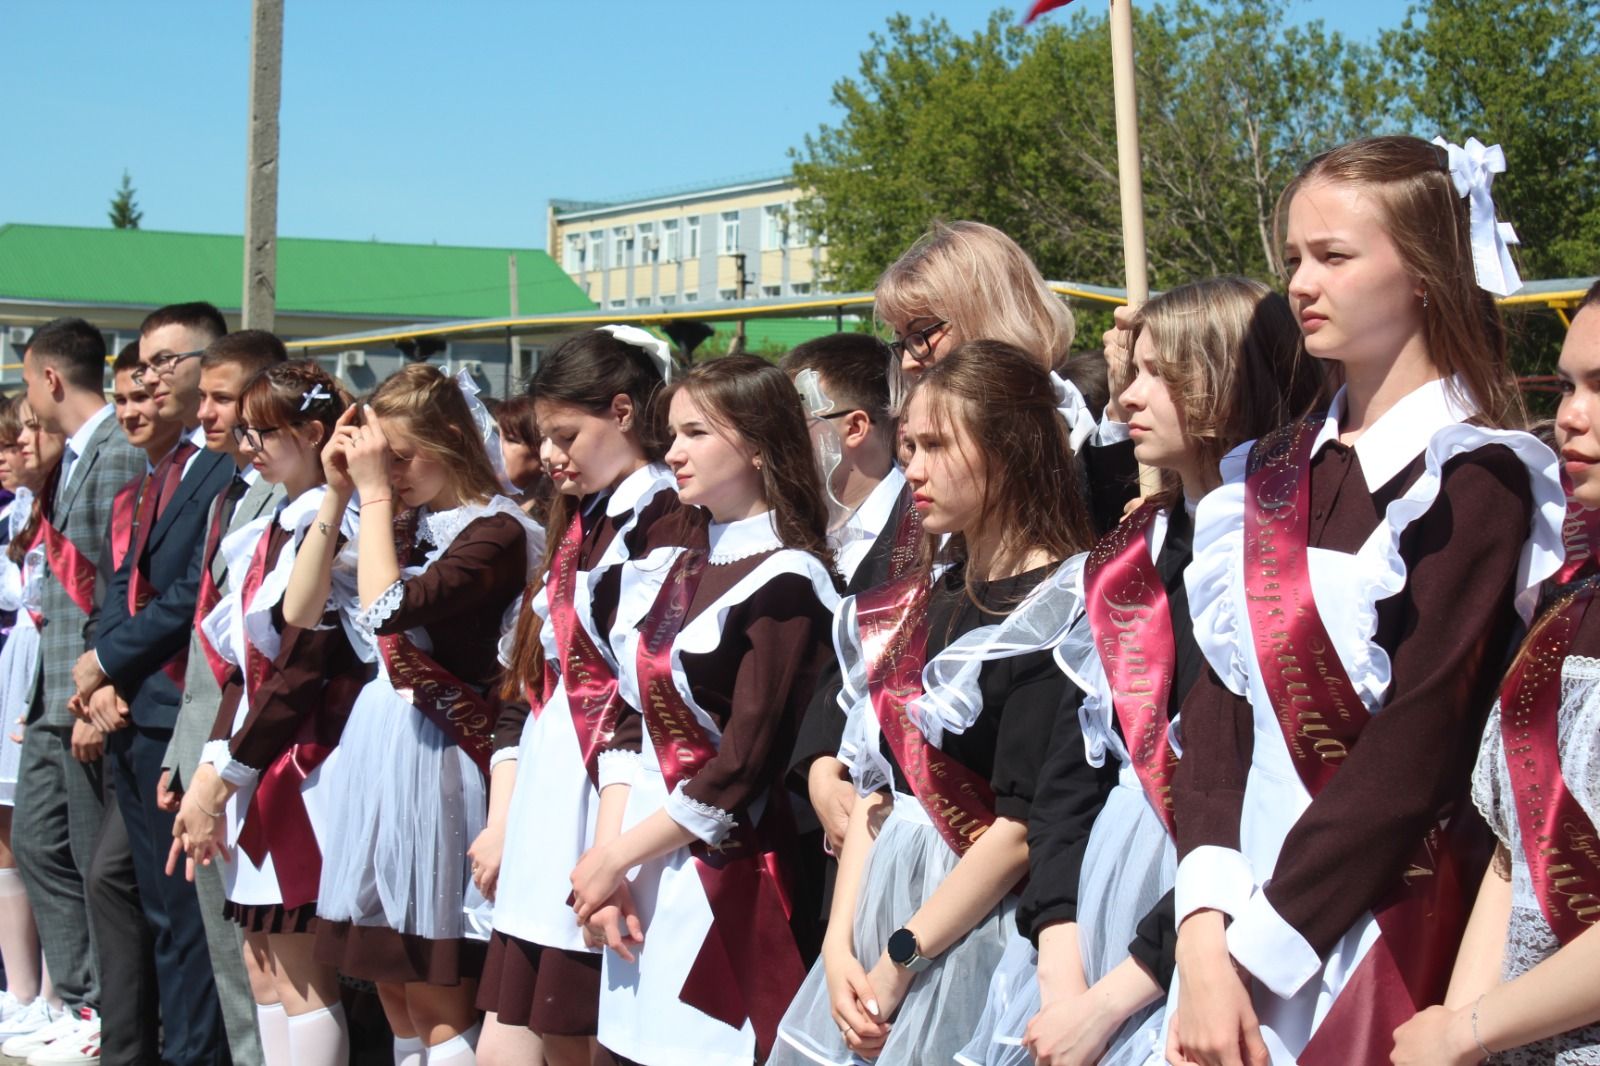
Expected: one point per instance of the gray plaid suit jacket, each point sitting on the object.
(201, 696)
(82, 513)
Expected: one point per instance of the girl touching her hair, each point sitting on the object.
(427, 596)
(286, 693)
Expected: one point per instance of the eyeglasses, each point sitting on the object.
(917, 342)
(164, 363)
(251, 436)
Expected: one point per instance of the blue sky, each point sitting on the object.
(445, 121)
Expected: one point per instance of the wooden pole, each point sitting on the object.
(513, 343)
(261, 166)
(1136, 269)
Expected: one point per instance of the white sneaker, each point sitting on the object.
(32, 1020)
(9, 1005)
(82, 1045)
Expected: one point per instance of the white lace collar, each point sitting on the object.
(439, 528)
(1404, 430)
(732, 541)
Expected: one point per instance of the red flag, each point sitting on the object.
(1040, 7)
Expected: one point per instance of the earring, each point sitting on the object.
(1424, 297)
(758, 462)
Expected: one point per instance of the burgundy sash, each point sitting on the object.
(1132, 625)
(892, 622)
(210, 595)
(1580, 536)
(1558, 839)
(444, 699)
(1321, 716)
(586, 677)
(903, 553)
(69, 565)
(748, 968)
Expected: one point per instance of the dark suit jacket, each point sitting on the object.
(134, 649)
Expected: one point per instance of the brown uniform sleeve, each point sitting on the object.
(485, 558)
(1208, 785)
(1455, 623)
(293, 691)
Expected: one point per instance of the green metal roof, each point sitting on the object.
(782, 334)
(80, 265)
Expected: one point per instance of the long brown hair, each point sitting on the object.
(1230, 352)
(587, 371)
(11, 430)
(1430, 225)
(1006, 402)
(752, 398)
(433, 413)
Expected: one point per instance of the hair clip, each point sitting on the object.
(312, 395)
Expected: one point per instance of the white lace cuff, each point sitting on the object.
(617, 767)
(1271, 949)
(381, 609)
(228, 768)
(1109, 431)
(1213, 878)
(710, 824)
(504, 755)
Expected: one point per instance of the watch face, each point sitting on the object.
(902, 946)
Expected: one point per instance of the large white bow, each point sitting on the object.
(1075, 409)
(654, 346)
(488, 428)
(1472, 169)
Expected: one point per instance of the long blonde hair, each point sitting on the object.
(982, 283)
(432, 411)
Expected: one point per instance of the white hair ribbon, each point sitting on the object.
(1472, 169)
(312, 395)
(656, 348)
(1075, 409)
(487, 427)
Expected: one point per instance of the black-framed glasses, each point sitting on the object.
(164, 363)
(917, 342)
(252, 436)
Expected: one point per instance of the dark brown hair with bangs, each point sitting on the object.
(1410, 183)
(294, 393)
(1006, 403)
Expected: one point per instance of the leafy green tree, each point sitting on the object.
(1524, 74)
(124, 212)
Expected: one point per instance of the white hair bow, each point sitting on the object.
(1472, 169)
(487, 427)
(1075, 409)
(656, 348)
(312, 395)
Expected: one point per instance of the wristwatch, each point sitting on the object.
(905, 953)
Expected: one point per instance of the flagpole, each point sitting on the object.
(1136, 270)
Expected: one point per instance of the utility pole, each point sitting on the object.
(736, 346)
(513, 343)
(261, 166)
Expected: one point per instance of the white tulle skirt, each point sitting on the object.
(1128, 865)
(908, 862)
(405, 805)
(19, 667)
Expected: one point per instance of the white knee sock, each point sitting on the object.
(408, 1051)
(19, 941)
(274, 1026)
(457, 1051)
(319, 1037)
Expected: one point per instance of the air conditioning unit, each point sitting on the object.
(19, 336)
(355, 357)
(626, 233)
(651, 243)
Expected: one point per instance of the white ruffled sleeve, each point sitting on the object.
(1215, 577)
(711, 824)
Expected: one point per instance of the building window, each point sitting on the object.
(668, 299)
(730, 232)
(671, 240)
(572, 256)
(617, 305)
(772, 228)
(801, 288)
(691, 237)
(691, 297)
(643, 301)
(597, 248)
(727, 294)
(770, 291)
(649, 250)
(621, 242)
